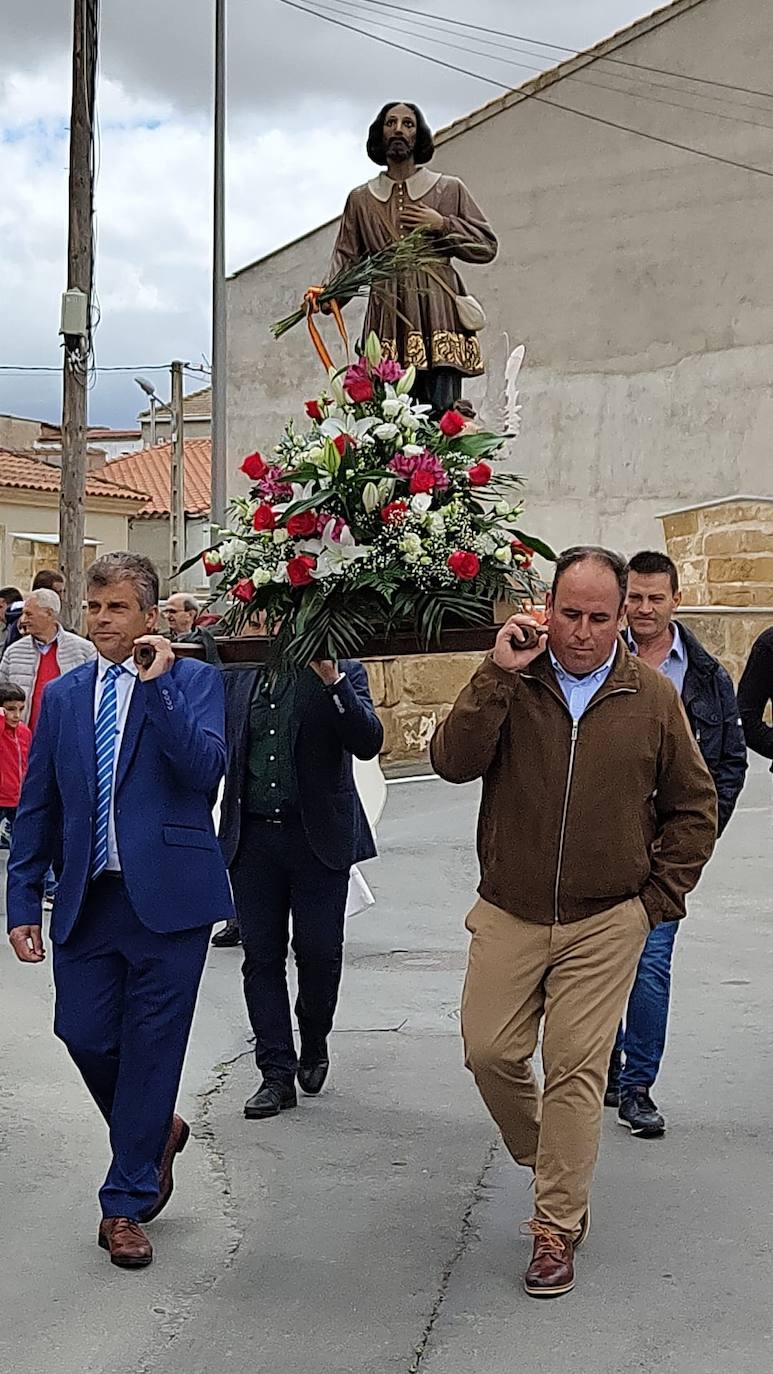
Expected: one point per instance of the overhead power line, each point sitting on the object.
(573, 52)
(358, 5)
(529, 95)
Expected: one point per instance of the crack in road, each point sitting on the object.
(465, 1235)
(187, 1302)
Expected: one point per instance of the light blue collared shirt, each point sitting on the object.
(674, 665)
(578, 691)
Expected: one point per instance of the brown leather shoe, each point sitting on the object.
(551, 1272)
(128, 1245)
(176, 1143)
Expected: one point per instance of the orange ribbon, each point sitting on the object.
(311, 304)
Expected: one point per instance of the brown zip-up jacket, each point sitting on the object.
(579, 816)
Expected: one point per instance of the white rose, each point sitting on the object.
(391, 407)
(281, 536)
(412, 450)
(261, 577)
(502, 508)
(436, 523)
(386, 432)
(504, 554)
(421, 502)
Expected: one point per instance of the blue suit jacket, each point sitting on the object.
(330, 725)
(171, 761)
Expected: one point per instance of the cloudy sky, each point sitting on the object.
(301, 92)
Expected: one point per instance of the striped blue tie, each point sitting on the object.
(105, 732)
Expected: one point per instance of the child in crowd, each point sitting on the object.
(15, 739)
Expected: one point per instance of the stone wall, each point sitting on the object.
(724, 551)
(412, 696)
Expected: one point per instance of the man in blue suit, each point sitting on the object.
(291, 827)
(127, 757)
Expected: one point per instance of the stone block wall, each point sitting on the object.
(724, 551)
(412, 696)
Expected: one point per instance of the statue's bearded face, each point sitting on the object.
(399, 133)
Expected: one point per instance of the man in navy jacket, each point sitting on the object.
(291, 827)
(709, 702)
(124, 765)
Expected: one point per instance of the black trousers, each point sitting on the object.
(440, 387)
(275, 872)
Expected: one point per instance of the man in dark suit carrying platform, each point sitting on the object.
(292, 826)
(127, 757)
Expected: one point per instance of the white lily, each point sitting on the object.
(370, 497)
(332, 427)
(336, 555)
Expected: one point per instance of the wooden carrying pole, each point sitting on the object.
(79, 276)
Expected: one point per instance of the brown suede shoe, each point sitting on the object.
(176, 1143)
(128, 1245)
(551, 1272)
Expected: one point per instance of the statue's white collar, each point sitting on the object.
(417, 186)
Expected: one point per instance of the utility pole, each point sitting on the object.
(177, 474)
(76, 307)
(219, 490)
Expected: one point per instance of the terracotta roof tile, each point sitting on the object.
(25, 473)
(148, 468)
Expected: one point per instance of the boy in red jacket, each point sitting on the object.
(15, 739)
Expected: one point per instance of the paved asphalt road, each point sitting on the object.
(375, 1230)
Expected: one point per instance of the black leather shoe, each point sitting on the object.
(612, 1093)
(638, 1112)
(270, 1100)
(228, 937)
(312, 1075)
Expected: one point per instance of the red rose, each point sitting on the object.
(299, 569)
(314, 412)
(394, 512)
(302, 525)
(341, 441)
(357, 383)
(211, 563)
(479, 475)
(244, 590)
(422, 480)
(254, 467)
(451, 424)
(522, 552)
(264, 518)
(463, 565)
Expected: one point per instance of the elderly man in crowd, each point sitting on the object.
(45, 653)
(598, 815)
(182, 612)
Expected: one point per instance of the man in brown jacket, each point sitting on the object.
(597, 817)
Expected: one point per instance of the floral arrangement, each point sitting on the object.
(375, 519)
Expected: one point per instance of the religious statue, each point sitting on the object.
(422, 318)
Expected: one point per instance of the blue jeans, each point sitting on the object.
(642, 1038)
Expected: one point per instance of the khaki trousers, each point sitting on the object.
(577, 976)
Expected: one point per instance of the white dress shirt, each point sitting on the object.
(124, 687)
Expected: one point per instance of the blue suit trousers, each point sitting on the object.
(125, 997)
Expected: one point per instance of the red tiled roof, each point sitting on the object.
(148, 468)
(25, 473)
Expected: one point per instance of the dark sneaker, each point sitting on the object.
(638, 1112)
